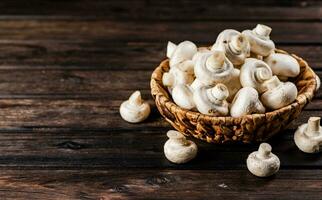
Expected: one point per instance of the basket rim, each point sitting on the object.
(302, 98)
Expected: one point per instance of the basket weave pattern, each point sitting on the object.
(246, 129)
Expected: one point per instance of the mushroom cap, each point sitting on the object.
(246, 102)
(181, 74)
(197, 84)
(308, 136)
(283, 65)
(134, 110)
(184, 51)
(234, 44)
(212, 101)
(171, 47)
(253, 73)
(259, 40)
(318, 82)
(201, 50)
(178, 149)
(263, 163)
(187, 67)
(279, 94)
(182, 95)
(209, 71)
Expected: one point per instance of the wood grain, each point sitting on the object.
(88, 134)
(57, 148)
(65, 67)
(91, 83)
(167, 184)
(130, 31)
(185, 10)
(35, 54)
(82, 114)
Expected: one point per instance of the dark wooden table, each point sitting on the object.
(65, 67)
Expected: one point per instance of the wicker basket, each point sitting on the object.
(246, 129)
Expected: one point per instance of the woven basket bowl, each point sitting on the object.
(246, 129)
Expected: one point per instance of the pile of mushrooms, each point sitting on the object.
(239, 75)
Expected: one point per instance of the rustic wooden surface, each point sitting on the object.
(65, 67)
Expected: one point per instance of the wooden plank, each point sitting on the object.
(110, 87)
(74, 83)
(82, 114)
(131, 31)
(26, 54)
(165, 184)
(314, 105)
(69, 134)
(64, 73)
(46, 148)
(164, 10)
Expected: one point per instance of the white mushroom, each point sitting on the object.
(308, 137)
(171, 47)
(253, 73)
(278, 94)
(182, 73)
(283, 65)
(318, 82)
(197, 84)
(183, 96)
(181, 52)
(246, 102)
(212, 68)
(178, 149)
(263, 163)
(212, 101)
(234, 44)
(253, 55)
(187, 66)
(201, 51)
(282, 78)
(233, 84)
(259, 40)
(135, 110)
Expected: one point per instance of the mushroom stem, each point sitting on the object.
(272, 83)
(135, 98)
(168, 79)
(174, 135)
(262, 30)
(313, 126)
(218, 94)
(264, 150)
(262, 74)
(216, 60)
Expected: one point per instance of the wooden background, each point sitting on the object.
(65, 67)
